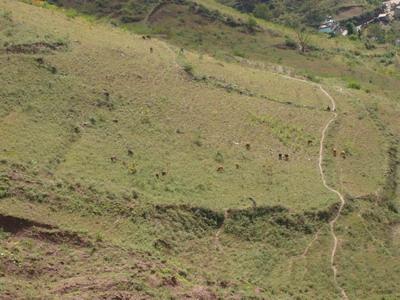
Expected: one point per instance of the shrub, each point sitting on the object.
(262, 11)
(239, 53)
(354, 85)
(71, 13)
(251, 24)
(188, 68)
(290, 43)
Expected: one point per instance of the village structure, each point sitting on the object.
(390, 11)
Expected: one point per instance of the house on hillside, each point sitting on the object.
(329, 26)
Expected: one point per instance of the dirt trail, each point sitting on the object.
(342, 200)
(321, 171)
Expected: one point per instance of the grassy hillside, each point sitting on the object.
(132, 168)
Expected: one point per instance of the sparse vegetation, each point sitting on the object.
(354, 85)
(122, 177)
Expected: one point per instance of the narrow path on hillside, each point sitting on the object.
(321, 171)
(342, 200)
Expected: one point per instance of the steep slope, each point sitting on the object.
(120, 154)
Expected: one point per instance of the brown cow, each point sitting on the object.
(248, 146)
(334, 152)
(280, 156)
(287, 157)
(343, 154)
(220, 169)
(113, 159)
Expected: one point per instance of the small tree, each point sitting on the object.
(302, 34)
(303, 38)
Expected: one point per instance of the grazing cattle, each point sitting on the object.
(237, 166)
(115, 121)
(113, 159)
(248, 146)
(328, 108)
(40, 60)
(334, 152)
(287, 157)
(181, 51)
(157, 175)
(220, 169)
(148, 37)
(280, 156)
(143, 37)
(164, 173)
(151, 49)
(130, 152)
(309, 142)
(343, 154)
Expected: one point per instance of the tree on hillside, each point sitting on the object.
(302, 34)
(303, 38)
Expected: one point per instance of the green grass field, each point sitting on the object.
(134, 169)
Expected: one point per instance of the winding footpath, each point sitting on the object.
(342, 200)
(324, 182)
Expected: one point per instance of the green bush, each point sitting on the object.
(290, 43)
(251, 24)
(354, 85)
(239, 53)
